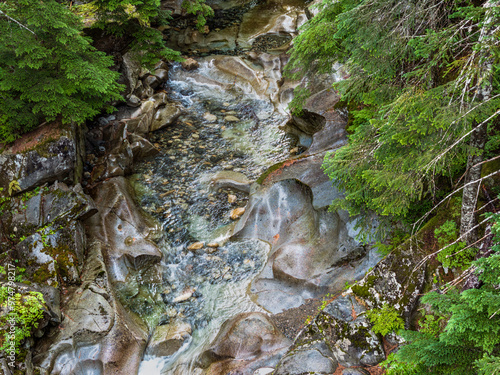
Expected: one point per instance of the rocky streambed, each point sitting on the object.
(203, 239)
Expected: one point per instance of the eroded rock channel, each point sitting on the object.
(205, 227)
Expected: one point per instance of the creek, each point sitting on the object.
(229, 129)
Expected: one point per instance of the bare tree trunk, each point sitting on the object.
(471, 191)
(478, 136)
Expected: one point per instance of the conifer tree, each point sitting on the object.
(135, 18)
(469, 341)
(48, 68)
(416, 69)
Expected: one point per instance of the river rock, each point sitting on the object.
(133, 101)
(196, 246)
(246, 342)
(97, 334)
(231, 118)
(210, 117)
(141, 147)
(307, 360)
(190, 64)
(309, 247)
(151, 81)
(168, 339)
(165, 116)
(308, 122)
(237, 213)
(142, 91)
(161, 74)
(125, 228)
(232, 198)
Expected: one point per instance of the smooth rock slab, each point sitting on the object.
(125, 228)
(309, 247)
(167, 339)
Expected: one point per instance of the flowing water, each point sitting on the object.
(230, 125)
(175, 188)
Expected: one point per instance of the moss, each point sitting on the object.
(363, 290)
(42, 274)
(269, 170)
(278, 166)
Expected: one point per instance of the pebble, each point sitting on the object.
(231, 198)
(195, 136)
(231, 118)
(213, 244)
(196, 246)
(237, 212)
(184, 296)
(210, 117)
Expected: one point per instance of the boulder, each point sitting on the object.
(165, 116)
(133, 101)
(190, 64)
(161, 74)
(348, 331)
(141, 147)
(44, 155)
(131, 70)
(245, 343)
(310, 359)
(151, 81)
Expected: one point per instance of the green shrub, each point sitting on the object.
(454, 255)
(385, 320)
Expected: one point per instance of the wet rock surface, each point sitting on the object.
(96, 334)
(309, 247)
(245, 343)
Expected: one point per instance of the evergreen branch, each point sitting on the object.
(19, 23)
(437, 158)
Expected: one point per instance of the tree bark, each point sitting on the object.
(478, 137)
(471, 191)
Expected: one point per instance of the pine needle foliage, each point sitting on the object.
(470, 340)
(135, 18)
(48, 68)
(201, 10)
(417, 73)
